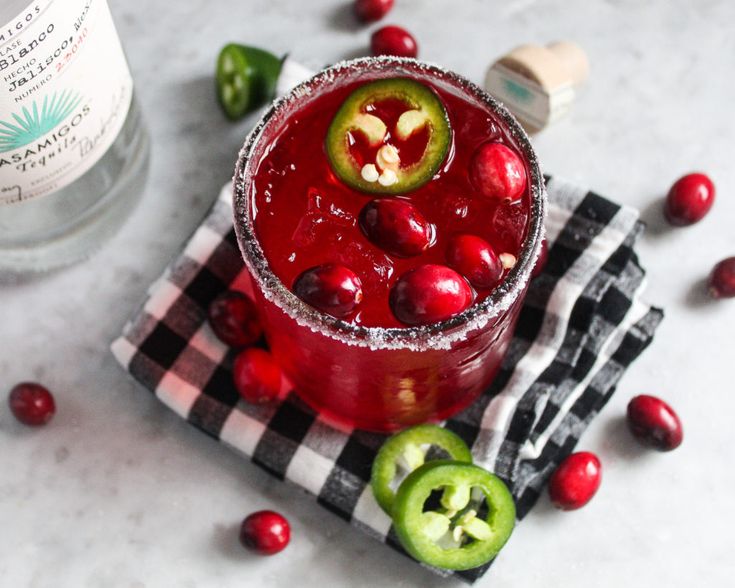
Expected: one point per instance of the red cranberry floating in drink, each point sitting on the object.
(497, 172)
(429, 294)
(372, 10)
(396, 226)
(543, 257)
(689, 199)
(475, 259)
(575, 481)
(234, 319)
(265, 532)
(32, 404)
(393, 40)
(331, 288)
(722, 279)
(654, 423)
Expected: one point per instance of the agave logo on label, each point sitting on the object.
(35, 122)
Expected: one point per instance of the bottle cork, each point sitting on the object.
(536, 83)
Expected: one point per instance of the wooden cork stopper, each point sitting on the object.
(537, 83)
(573, 59)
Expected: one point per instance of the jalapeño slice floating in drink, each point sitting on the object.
(389, 136)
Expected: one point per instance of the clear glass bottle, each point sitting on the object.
(73, 147)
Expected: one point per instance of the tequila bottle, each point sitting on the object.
(73, 148)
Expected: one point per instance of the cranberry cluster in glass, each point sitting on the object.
(392, 260)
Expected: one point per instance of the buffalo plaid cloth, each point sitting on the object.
(582, 324)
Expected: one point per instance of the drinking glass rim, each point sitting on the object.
(441, 335)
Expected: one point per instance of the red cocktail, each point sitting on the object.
(390, 214)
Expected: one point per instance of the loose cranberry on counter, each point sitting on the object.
(257, 376)
(332, 288)
(429, 294)
(722, 279)
(575, 481)
(32, 404)
(654, 423)
(396, 226)
(265, 532)
(475, 259)
(393, 40)
(372, 10)
(234, 319)
(497, 172)
(689, 199)
(543, 257)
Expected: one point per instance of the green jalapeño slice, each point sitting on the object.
(246, 78)
(389, 136)
(472, 521)
(403, 453)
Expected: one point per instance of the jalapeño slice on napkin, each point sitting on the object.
(246, 78)
(407, 451)
(389, 136)
(470, 524)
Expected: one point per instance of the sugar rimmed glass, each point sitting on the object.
(384, 379)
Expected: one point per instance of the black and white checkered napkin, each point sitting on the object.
(582, 324)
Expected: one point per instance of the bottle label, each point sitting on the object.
(532, 104)
(65, 92)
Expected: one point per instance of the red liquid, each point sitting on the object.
(304, 216)
(307, 217)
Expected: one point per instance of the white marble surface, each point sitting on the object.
(118, 492)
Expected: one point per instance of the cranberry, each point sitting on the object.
(331, 288)
(575, 481)
(475, 259)
(541, 260)
(689, 199)
(265, 532)
(392, 40)
(497, 172)
(722, 280)
(396, 226)
(32, 404)
(257, 376)
(429, 294)
(372, 10)
(654, 423)
(234, 319)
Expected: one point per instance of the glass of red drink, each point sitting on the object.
(370, 367)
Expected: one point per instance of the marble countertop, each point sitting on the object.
(118, 492)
